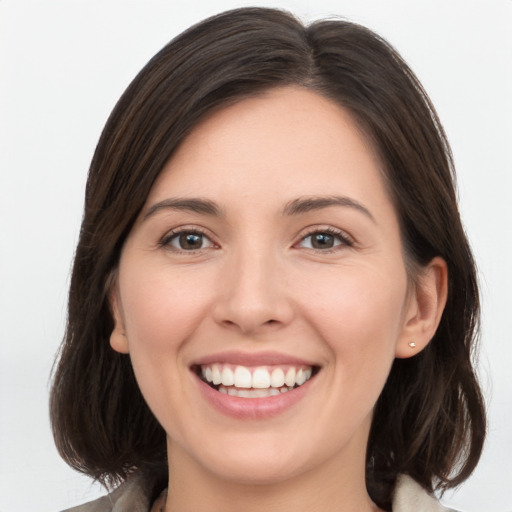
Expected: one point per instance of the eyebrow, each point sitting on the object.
(308, 204)
(296, 207)
(195, 205)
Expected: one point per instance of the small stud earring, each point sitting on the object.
(412, 344)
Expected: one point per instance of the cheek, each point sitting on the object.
(161, 310)
(359, 314)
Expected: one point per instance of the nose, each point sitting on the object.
(253, 296)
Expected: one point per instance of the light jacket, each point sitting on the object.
(132, 496)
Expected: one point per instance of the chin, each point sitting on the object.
(264, 471)
(264, 458)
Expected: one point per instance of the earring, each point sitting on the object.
(412, 344)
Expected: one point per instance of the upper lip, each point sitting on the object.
(267, 358)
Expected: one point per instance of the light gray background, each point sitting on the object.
(63, 64)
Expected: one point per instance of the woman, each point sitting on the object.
(273, 302)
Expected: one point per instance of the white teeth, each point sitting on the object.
(250, 393)
(290, 378)
(260, 379)
(277, 379)
(242, 377)
(270, 381)
(216, 375)
(227, 377)
(300, 378)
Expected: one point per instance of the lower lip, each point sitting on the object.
(253, 408)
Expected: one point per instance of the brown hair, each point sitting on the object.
(429, 421)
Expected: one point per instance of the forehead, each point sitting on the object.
(290, 141)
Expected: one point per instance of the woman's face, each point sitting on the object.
(268, 254)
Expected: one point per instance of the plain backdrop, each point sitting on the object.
(63, 64)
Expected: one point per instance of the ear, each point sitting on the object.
(118, 339)
(424, 309)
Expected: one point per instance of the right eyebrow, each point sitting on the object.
(193, 204)
(308, 204)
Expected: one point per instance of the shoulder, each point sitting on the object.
(411, 497)
(131, 496)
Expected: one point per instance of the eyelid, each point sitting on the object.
(345, 239)
(164, 241)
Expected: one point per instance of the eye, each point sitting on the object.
(187, 240)
(324, 240)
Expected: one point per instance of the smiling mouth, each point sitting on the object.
(254, 382)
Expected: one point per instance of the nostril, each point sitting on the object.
(248, 325)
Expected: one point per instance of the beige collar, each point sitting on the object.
(411, 497)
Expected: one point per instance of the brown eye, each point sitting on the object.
(322, 241)
(189, 241)
(325, 240)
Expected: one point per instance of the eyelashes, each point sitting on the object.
(187, 240)
(325, 240)
(194, 240)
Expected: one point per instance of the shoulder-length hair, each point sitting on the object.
(429, 421)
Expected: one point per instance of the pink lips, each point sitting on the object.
(252, 408)
(256, 359)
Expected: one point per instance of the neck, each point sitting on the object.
(333, 487)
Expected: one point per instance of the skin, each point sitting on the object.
(256, 283)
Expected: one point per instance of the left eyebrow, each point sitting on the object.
(308, 204)
(195, 205)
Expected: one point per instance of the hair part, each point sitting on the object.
(429, 421)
